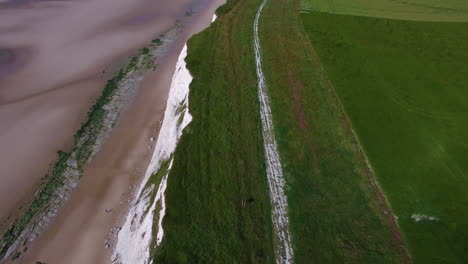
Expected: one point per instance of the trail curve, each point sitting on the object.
(276, 182)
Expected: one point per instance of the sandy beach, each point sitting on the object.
(99, 203)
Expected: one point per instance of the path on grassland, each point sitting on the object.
(276, 183)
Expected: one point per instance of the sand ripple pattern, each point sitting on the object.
(276, 183)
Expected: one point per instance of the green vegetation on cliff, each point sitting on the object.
(218, 208)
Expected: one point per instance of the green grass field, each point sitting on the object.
(218, 207)
(404, 86)
(425, 10)
(335, 214)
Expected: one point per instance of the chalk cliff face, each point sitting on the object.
(142, 231)
(136, 240)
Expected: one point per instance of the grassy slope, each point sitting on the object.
(427, 10)
(218, 209)
(404, 86)
(334, 211)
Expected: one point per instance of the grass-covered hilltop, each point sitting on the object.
(369, 109)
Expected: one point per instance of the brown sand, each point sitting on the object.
(78, 233)
(52, 54)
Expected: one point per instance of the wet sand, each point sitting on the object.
(100, 202)
(52, 57)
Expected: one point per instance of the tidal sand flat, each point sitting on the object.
(56, 57)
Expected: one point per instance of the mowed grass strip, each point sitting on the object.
(404, 86)
(218, 208)
(335, 213)
(424, 10)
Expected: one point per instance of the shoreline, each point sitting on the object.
(126, 174)
(55, 74)
(66, 172)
